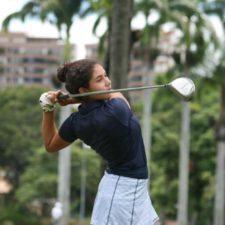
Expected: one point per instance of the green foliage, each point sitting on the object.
(103, 10)
(164, 165)
(39, 181)
(40, 178)
(33, 172)
(31, 8)
(60, 13)
(202, 155)
(20, 117)
(38, 172)
(16, 214)
(84, 161)
(165, 153)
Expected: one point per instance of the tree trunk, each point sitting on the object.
(147, 116)
(64, 160)
(120, 42)
(219, 189)
(147, 107)
(64, 163)
(182, 214)
(220, 167)
(184, 166)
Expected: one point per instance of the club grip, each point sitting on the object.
(63, 97)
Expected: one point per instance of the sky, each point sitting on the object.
(81, 31)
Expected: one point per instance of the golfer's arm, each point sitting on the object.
(52, 141)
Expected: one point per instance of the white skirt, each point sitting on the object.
(123, 201)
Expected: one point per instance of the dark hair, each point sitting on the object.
(76, 74)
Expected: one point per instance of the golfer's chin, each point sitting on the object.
(103, 97)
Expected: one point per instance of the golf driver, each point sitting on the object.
(182, 86)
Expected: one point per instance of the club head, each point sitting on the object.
(183, 87)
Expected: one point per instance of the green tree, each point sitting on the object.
(217, 8)
(20, 128)
(103, 10)
(185, 15)
(120, 42)
(46, 165)
(37, 193)
(188, 59)
(165, 154)
(60, 13)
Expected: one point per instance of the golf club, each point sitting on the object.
(182, 87)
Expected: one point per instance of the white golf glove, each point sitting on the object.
(45, 102)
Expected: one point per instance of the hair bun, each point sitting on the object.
(61, 73)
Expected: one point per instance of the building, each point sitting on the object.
(91, 51)
(28, 60)
(136, 78)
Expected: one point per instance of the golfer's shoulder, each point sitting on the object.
(119, 95)
(118, 104)
(118, 108)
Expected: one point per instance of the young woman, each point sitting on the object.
(106, 123)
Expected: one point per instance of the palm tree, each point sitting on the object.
(217, 8)
(60, 13)
(103, 10)
(189, 59)
(149, 50)
(220, 162)
(193, 27)
(115, 43)
(120, 42)
(185, 15)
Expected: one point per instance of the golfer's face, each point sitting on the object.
(99, 82)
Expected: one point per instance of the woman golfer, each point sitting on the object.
(106, 123)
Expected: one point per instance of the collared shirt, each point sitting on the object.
(111, 129)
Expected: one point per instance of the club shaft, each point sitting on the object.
(112, 91)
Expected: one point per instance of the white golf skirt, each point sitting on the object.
(123, 201)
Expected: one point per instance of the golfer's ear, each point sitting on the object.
(82, 90)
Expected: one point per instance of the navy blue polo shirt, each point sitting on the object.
(111, 129)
